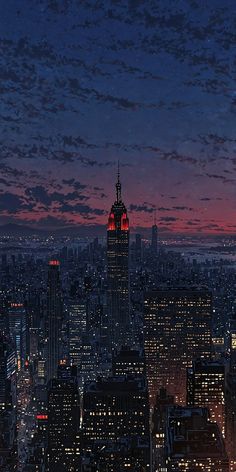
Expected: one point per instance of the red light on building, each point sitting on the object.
(26, 363)
(124, 222)
(17, 305)
(54, 263)
(111, 222)
(41, 417)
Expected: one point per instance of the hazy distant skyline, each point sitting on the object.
(151, 84)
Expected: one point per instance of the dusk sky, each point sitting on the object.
(149, 83)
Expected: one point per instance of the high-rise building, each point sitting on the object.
(230, 418)
(206, 388)
(233, 346)
(17, 331)
(7, 407)
(77, 329)
(177, 329)
(138, 249)
(230, 401)
(154, 241)
(116, 410)
(131, 454)
(7, 371)
(54, 314)
(63, 420)
(159, 422)
(118, 270)
(128, 362)
(193, 443)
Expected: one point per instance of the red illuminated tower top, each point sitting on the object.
(118, 219)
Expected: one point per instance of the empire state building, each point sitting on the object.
(118, 271)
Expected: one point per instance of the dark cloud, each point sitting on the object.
(41, 195)
(141, 208)
(12, 203)
(74, 183)
(168, 219)
(54, 222)
(208, 199)
(183, 208)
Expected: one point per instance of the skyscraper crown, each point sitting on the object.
(118, 219)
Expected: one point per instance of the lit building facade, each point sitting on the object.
(230, 401)
(7, 371)
(17, 329)
(118, 271)
(77, 328)
(177, 329)
(54, 313)
(206, 388)
(230, 418)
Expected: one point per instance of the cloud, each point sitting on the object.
(53, 222)
(12, 203)
(40, 194)
(168, 219)
(183, 208)
(141, 208)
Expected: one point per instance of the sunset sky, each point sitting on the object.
(149, 83)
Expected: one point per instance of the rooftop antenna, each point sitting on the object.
(155, 216)
(118, 184)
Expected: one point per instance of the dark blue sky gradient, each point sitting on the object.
(151, 83)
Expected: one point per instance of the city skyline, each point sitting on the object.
(117, 236)
(149, 85)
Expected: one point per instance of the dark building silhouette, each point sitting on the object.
(63, 439)
(116, 412)
(54, 314)
(193, 443)
(138, 249)
(128, 361)
(158, 429)
(118, 270)
(154, 241)
(177, 329)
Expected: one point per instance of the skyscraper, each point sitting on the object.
(230, 401)
(138, 249)
(7, 371)
(54, 313)
(17, 330)
(177, 329)
(129, 362)
(77, 328)
(154, 237)
(118, 270)
(206, 388)
(193, 443)
(159, 430)
(116, 410)
(63, 425)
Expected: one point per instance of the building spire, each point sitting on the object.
(155, 216)
(118, 184)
